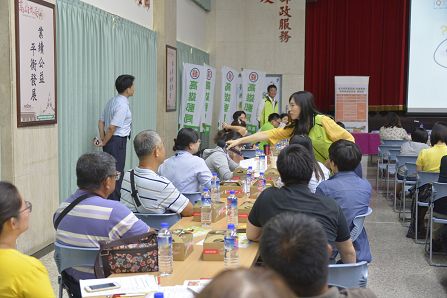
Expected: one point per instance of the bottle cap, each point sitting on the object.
(205, 189)
(232, 192)
(159, 295)
(261, 173)
(164, 225)
(250, 168)
(230, 227)
(214, 174)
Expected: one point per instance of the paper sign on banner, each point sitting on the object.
(252, 83)
(351, 102)
(229, 94)
(207, 114)
(193, 95)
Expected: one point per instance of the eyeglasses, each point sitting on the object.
(28, 206)
(117, 175)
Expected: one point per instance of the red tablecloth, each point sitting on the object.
(367, 142)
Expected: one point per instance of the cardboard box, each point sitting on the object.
(218, 211)
(182, 244)
(213, 246)
(244, 210)
(225, 191)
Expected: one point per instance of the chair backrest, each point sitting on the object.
(411, 168)
(392, 154)
(393, 142)
(439, 191)
(69, 256)
(426, 177)
(348, 275)
(155, 220)
(384, 150)
(358, 224)
(193, 197)
(402, 159)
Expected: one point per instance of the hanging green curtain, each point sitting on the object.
(93, 48)
(188, 54)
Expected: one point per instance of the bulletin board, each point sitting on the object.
(36, 63)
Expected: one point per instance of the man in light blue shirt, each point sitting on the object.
(115, 126)
(352, 193)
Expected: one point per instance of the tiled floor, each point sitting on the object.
(398, 269)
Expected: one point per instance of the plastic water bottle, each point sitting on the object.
(215, 195)
(262, 163)
(205, 209)
(261, 182)
(164, 239)
(247, 185)
(232, 216)
(231, 255)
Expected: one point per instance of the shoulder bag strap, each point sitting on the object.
(69, 208)
(134, 192)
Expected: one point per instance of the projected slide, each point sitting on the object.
(427, 72)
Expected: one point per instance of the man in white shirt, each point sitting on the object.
(156, 194)
(115, 126)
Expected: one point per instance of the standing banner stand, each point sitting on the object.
(229, 94)
(193, 95)
(252, 84)
(207, 114)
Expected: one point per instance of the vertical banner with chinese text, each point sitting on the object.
(193, 95)
(252, 84)
(207, 114)
(351, 102)
(229, 94)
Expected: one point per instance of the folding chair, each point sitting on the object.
(68, 257)
(410, 170)
(391, 167)
(348, 275)
(422, 179)
(383, 153)
(155, 220)
(396, 143)
(400, 162)
(193, 197)
(439, 191)
(358, 222)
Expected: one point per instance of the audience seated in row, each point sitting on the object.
(20, 275)
(186, 171)
(295, 167)
(221, 161)
(295, 245)
(95, 218)
(247, 283)
(392, 130)
(440, 211)
(156, 193)
(419, 138)
(320, 172)
(352, 193)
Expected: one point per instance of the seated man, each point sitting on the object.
(352, 193)
(295, 167)
(94, 218)
(156, 193)
(295, 246)
(274, 120)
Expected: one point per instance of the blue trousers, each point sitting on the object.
(116, 147)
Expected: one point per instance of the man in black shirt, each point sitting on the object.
(295, 167)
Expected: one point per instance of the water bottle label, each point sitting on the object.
(229, 243)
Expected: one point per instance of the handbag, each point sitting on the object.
(127, 255)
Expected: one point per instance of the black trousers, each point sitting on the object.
(116, 147)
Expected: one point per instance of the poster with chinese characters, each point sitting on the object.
(351, 102)
(229, 94)
(193, 95)
(252, 84)
(36, 65)
(207, 114)
(171, 78)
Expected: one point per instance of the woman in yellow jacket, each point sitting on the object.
(20, 275)
(305, 120)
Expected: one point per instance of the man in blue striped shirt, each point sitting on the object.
(115, 126)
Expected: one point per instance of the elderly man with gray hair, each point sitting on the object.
(143, 190)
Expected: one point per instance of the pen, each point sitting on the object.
(128, 295)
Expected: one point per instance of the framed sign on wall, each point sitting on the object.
(35, 63)
(171, 79)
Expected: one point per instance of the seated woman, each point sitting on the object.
(418, 141)
(320, 172)
(284, 119)
(239, 123)
(20, 275)
(219, 160)
(392, 130)
(186, 171)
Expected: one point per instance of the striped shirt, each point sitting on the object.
(117, 113)
(95, 219)
(157, 194)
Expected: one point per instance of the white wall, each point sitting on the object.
(192, 24)
(127, 9)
